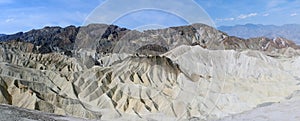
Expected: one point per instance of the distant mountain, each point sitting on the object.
(2, 35)
(289, 31)
(110, 39)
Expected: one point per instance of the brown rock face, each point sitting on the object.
(152, 49)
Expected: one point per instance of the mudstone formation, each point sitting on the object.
(104, 72)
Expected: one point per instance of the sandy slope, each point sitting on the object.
(283, 111)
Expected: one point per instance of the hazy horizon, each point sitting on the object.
(18, 15)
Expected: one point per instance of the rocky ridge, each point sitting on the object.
(109, 38)
(13, 113)
(177, 80)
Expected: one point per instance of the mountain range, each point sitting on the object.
(2, 35)
(288, 31)
(105, 72)
(108, 38)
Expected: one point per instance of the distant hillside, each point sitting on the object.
(2, 35)
(289, 31)
(110, 38)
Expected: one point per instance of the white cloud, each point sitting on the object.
(9, 20)
(244, 16)
(294, 14)
(225, 19)
(267, 14)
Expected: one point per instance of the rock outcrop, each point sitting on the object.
(192, 73)
(113, 39)
(13, 113)
(186, 82)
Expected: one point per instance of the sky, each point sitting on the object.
(24, 15)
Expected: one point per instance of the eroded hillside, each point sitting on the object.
(180, 73)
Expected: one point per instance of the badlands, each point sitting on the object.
(104, 72)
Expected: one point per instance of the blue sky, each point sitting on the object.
(24, 15)
(232, 12)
